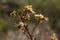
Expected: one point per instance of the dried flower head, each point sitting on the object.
(25, 18)
(53, 37)
(40, 17)
(21, 24)
(13, 13)
(29, 9)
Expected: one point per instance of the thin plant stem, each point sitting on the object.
(28, 33)
(35, 26)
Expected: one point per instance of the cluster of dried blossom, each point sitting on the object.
(25, 15)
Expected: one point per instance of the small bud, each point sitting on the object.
(40, 17)
(25, 18)
(21, 24)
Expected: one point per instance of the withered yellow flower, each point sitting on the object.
(21, 24)
(29, 9)
(40, 17)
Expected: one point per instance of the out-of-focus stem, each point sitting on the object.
(28, 33)
(35, 26)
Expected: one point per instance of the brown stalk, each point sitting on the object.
(28, 33)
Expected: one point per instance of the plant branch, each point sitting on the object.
(28, 33)
(35, 26)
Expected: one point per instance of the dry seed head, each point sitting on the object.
(29, 9)
(41, 17)
(25, 18)
(21, 24)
